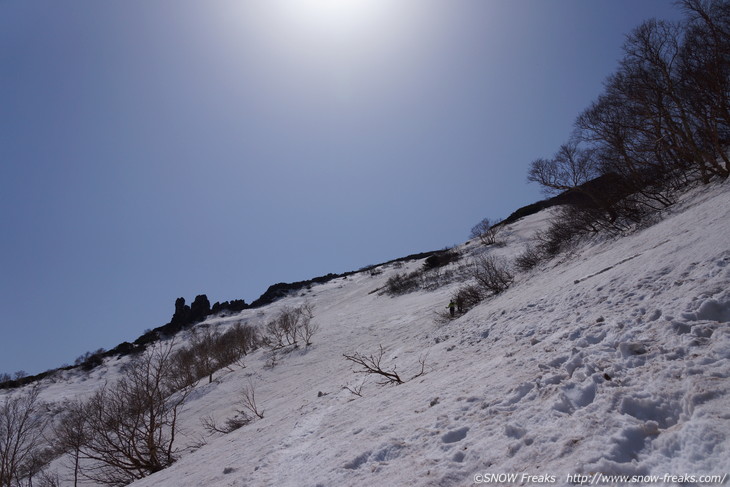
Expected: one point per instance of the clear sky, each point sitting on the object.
(152, 149)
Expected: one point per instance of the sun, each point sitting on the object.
(334, 14)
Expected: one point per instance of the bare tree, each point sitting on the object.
(129, 428)
(210, 351)
(288, 321)
(275, 335)
(661, 123)
(569, 168)
(305, 327)
(666, 109)
(248, 396)
(203, 344)
(185, 363)
(71, 434)
(705, 74)
(21, 436)
(241, 339)
(290, 325)
(486, 231)
(492, 274)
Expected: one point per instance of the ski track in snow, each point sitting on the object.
(614, 359)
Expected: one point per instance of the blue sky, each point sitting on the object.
(157, 149)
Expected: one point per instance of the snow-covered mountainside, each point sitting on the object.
(613, 360)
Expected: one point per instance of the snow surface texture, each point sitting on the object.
(614, 359)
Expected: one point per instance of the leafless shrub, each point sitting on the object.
(528, 259)
(468, 296)
(287, 321)
(230, 347)
(225, 353)
(248, 397)
(242, 339)
(209, 351)
(563, 233)
(568, 227)
(203, 348)
(210, 425)
(436, 278)
(232, 424)
(371, 365)
(236, 422)
(71, 435)
(356, 389)
(486, 231)
(438, 269)
(127, 430)
(21, 437)
(442, 258)
(375, 271)
(184, 362)
(307, 331)
(403, 283)
(428, 278)
(291, 325)
(196, 442)
(274, 336)
(492, 274)
(422, 363)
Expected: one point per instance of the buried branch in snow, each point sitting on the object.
(243, 416)
(371, 365)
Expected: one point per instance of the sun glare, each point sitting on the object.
(334, 14)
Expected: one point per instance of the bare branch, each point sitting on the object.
(492, 274)
(238, 421)
(486, 231)
(357, 389)
(371, 365)
(422, 362)
(248, 394)
(21, 430)
(126, 431)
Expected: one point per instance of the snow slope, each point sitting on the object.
(611, 361)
